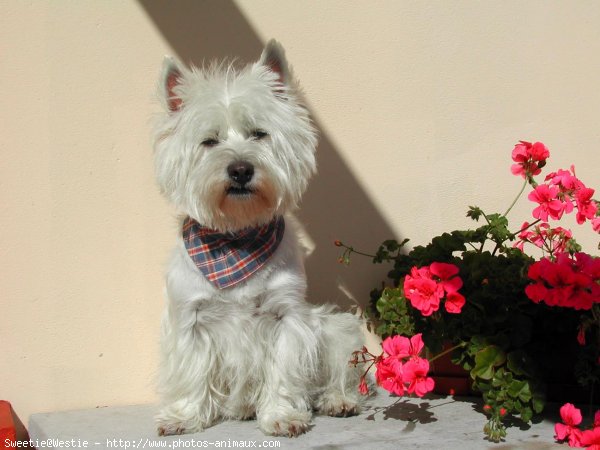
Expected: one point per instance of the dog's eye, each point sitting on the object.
(211, 142)
(257, 135)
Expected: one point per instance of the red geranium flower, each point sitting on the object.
(566, 282)
(454, 303)
(446, 273)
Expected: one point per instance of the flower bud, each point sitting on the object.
(363, 388)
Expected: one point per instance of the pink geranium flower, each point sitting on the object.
(596, 224)
(529, 158)
(532, 236)
(586, 206)
(557, 239)
(425, 287)
(403, 366)
(553, 240)
(423, 291)
(565, 180)
(571, 417)
(539, 152)
(590, 439)
(549, 204)
(415, 375)
(389, 376)
(400, 347)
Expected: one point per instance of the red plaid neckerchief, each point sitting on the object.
(226, 259)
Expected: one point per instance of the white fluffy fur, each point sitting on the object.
(257, 349)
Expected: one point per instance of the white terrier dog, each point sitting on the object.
(234, 153)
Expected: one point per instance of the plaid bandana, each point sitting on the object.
(226, 259)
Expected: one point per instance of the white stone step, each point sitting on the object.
(385, 423)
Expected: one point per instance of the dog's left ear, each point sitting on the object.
(172, 74)
(273, 57)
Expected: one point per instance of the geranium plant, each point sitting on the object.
(517, 324)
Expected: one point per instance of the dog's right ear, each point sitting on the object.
(273, 57)
(172, 74)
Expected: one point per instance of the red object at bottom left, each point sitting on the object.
(8, 430)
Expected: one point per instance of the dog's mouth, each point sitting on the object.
(239, 191)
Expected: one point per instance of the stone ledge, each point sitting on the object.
(386, 423)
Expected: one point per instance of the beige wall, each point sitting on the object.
(419, 104)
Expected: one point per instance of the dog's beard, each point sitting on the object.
(235, 207)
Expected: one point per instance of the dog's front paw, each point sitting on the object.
(292, 424)
(170, 429)
(338, 406)
(171, 422)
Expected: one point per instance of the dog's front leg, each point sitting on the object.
(188, 401)
(291, 364)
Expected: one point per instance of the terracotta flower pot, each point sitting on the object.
(449, 378)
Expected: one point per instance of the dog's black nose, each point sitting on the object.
(241, 172)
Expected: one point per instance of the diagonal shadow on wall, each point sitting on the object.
(335, 206)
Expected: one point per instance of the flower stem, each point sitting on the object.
(591, 405)
(472, 246)
(351, 250)
(530, 225)
(525, 183)
(595, 314)
(448, 350)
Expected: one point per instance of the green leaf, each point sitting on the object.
(486, 360)
(517, 405)
(388, 247)
(474, 213)
(498, 378)
(520, 390)
(538, 403)
(502, 378)
(526, 414)
(519, 363)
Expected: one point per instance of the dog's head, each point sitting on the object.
(234, 148)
